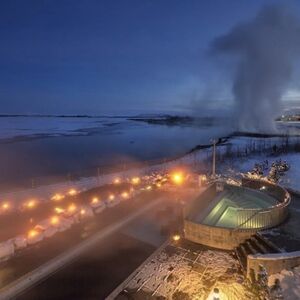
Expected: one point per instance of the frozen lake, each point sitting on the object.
(33, 147)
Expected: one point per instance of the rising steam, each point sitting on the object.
(263, 52)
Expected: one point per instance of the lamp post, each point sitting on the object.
(216, 294)
(214, 142)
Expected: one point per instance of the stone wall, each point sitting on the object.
(216, 237)
(274, 263)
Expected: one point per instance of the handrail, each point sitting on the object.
(281, 205)
(247, 220)
(259, 211)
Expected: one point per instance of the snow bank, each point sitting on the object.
(38, 236)
(6, 250)
(289, 282)
(50, 231)
(20, 242)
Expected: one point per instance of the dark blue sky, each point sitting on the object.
(96, 57)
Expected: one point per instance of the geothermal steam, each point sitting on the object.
(263, 52)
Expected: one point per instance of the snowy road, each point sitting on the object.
(29, 280)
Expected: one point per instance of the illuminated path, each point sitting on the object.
(32, 278)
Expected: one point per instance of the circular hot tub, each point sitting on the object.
(225, 215)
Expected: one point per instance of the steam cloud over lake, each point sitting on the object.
(262, 52)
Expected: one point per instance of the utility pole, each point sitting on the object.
(214, 159)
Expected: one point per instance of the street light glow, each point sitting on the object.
(72, 192)
(125, 195)
(117, 180)
(54, 220)
(59, 210)
(30, 204)
(215, 294)
(5, 206)
(135, 180)
(176, 237)
(72, 207)
(95, 200)
(32, 233)
(177, 178)
(57, 197)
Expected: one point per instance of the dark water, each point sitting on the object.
(118, 142)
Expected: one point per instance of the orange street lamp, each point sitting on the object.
(30, 204)
(125, 195)
(135, 180)
(32, 233)
(72, 207)
(54, 220)
(5, 206)
(177, 178)
(117, 180)
(72, 192)
(176, 237)
(59, 210)
(95, 200)
(57, 197)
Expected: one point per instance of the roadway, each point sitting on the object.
(32, 278)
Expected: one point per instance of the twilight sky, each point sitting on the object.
(59, 56)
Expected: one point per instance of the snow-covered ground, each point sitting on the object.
(242, 163)
(181, 272)
(289, 282)
(200, 158)
(291, 179)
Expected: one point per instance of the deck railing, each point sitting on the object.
(264, 218)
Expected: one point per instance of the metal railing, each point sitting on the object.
(264, 218)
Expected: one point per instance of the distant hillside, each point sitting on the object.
(176, 120)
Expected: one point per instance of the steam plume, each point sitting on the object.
(263, 52)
